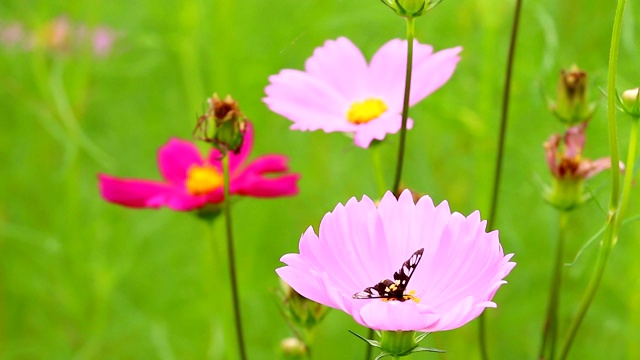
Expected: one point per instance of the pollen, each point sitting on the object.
(362, 112)
(203, 179)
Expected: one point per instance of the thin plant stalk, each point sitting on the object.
(612, 220)
(550, 327)
(231, 256)
(497, 176)
(405, 104)
(629, 171)
(377, 169)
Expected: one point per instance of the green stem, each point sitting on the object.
(405, 104)
(550, 329)
(231, 256)
(377, 169)
(612, 216)
(367, 353)
(629, 172)
(506, 95)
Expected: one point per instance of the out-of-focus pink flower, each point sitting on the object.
(103, 39)
(192, 181)
(459, 271)
(12, 34)
(339, 91)
(568, 163)
(59, 36)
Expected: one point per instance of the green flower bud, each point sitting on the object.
(303, 312)
(630, 102)
(293, 348)
(411, 8)
(222, 125)
(571, 104)
(566, 193)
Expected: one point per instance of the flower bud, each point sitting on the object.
(222, 125)
(630, 102)
(411, 8)
(293, 348)
(571, 104)
(303, 312)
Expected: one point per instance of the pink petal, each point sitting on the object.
(253, 182)
(307, 101)
(133, 193)
(175, 158)
(378, 129)
(430, 71)
(429, 74)
(589, 168)
(395, 316)
(574, 140)
(342, 66)
(147, 194)
(550, 152)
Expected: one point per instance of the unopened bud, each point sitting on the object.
(572, 104)
(411, 8)
(293, 348)
(302, 311)
(222, 125)
(630, 102)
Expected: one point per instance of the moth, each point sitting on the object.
(394, 289)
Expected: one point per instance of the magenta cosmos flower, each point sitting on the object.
(445, 267)
(339, 91)
(192, 181)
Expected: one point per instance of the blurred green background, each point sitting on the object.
(84, 279)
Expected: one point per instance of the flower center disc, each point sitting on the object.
(362, 112)
(203, 179)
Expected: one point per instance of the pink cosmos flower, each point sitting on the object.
(339, 91)
(192, 181)
(450, 281)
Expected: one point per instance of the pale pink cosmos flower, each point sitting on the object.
(192, 181)
(359, 244)
(339, 91)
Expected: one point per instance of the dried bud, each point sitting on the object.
(571, 104)
(569, 168)
(630, 102)
(222, 125)
(411, 8)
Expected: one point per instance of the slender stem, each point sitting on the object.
(377, 169)
(504, 116)
(231, 256)
(629, 171)
(405, 104)
(367, 352)
(550, 329)
(613, 213)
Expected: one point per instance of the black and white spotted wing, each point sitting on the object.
(393, 289)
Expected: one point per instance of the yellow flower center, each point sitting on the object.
(362, 112)
(203, 179)
(411, 295)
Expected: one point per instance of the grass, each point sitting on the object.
(83, 279)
